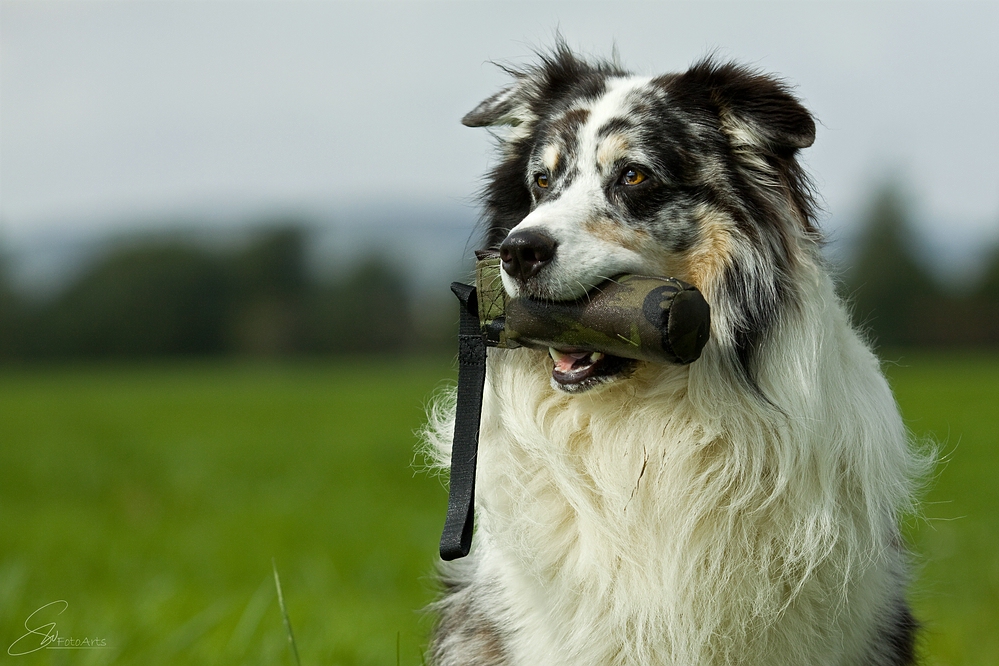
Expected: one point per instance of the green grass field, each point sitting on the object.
(152, 499)
(953, 400)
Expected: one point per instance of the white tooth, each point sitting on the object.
(596, 356)
(555, 354)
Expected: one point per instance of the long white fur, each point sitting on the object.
(675, 518)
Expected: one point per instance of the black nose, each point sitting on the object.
(524, 253)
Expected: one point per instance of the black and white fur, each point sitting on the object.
(739, 510)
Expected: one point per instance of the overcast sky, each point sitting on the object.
(119, 111)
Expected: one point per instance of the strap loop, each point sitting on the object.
(456, 539)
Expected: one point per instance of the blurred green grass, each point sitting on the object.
(153, 497)
(952, 399)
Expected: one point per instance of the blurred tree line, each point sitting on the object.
(175, 297)
(898, 302)
(158, 298)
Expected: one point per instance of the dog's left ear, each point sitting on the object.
(753, 108)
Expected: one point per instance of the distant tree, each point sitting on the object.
(988, 284)
(145, 300)
(271, 281)
(985, 302)
(367, 310)
(273, 264)
(13, 315)
(889, 287)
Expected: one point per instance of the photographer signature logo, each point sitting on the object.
(44, 635)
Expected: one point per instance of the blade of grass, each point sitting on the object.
(284, 614)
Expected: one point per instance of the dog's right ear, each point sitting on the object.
(507, 107)
(510, 106)
(537, 89)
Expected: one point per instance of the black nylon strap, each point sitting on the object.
(457, 537)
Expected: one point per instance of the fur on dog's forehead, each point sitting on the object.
(605, 132)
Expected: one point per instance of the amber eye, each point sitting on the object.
(542, 180)
(631, 176)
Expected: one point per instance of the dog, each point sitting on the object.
(742, 509)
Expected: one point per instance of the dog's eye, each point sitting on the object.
(631, 176)
(541, 180)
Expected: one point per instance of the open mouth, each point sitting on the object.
(578, 371)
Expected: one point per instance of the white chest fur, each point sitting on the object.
(672, 519)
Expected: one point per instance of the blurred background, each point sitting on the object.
(226, 234)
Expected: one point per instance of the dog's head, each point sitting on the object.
(691, 175)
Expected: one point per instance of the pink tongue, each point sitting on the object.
(566, 361)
